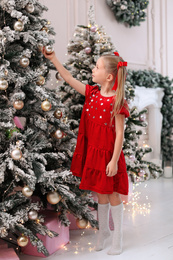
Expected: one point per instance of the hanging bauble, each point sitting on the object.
(45, 29)
(24, 62)
(142, 117)
(49, 49)
(53, 197)
(141, 173)
(18, 26)
(58, 113)
(40, 46)
(82, 223)
(40, 81)
(18, 104)
(3, 84)
(93, 29)
(132, 157)
(58, 134)
(30, 8)
(87, 50)
(27, 192)
(46, 105)
(22, 241)
(16, 154)
(33, 215)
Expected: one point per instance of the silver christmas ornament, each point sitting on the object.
(132, 157)
(16, 154)
(18, 104)
(30, 8)
(18, 26)
(49, 49)
(58, 134)
(33, 215)
(27, 192)
(3, 84)
(24, 62)
(53, 197)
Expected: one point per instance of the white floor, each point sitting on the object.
(148, 228)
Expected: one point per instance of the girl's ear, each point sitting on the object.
(110, 77)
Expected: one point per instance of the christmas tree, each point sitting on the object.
(34, 156)
(84, 49)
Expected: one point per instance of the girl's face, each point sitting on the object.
(99, 74)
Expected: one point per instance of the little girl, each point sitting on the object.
(98, 158)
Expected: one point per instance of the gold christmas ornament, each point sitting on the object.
(58, 113)
(18, 104)
(58, 134)
(30, 8)
(33, 215)
(82, 223)
(53, 197)
(22, 241)
(40, 81)
(40, 46)
(46, 105)
(18, 26)
(27, 192)
(3, 84)
(16, 154)
(24, 62)
(49, 49)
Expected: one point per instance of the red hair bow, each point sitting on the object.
(121, 64)
(116, 53)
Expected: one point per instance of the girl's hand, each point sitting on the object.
(111, 169)
(48, 56)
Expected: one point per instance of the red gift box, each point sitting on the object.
(52, 244)
(8, 254)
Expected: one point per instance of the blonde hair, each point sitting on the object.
(111, 62)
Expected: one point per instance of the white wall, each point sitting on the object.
(148, 46)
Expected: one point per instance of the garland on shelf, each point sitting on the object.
(129, 12)
(151, 79)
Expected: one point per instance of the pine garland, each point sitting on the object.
(151, 79)
(129, 12)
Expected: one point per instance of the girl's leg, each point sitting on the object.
(117, 216)
(103, 217)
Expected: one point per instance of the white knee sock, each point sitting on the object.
(117, 216)
(104, 231)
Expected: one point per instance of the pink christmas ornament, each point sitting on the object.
(17, 122)
(87, 50)
(93, 28)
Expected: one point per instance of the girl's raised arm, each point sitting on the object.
(65, 74)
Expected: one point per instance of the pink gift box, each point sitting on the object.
(8, 254)
(3, 244)
(51, 244)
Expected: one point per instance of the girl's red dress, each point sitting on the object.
(95, 146)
